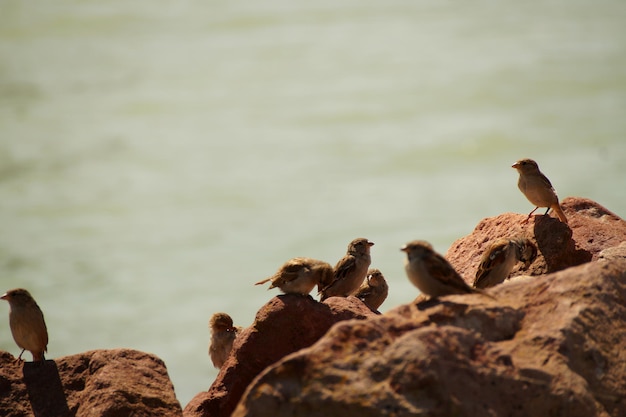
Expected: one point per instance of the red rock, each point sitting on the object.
(112, 383)
(286, 324)
(591, 229)
(550, 344)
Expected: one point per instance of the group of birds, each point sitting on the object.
(429, 271)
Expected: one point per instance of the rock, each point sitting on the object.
(550, 344)
(591, 229)
(112, 383)
(286, 324)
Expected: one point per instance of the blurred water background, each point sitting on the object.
(156, 159)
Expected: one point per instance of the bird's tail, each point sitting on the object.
(559, 212)
(263, 281)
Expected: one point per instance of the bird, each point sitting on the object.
(537, 188)
(500, 258)
(223, 334)
(431, 273)
(350, 271)
(374, 289)
(299, 275)
(28, 326)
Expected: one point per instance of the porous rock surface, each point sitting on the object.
(550, 344)
(286, 324)
(111, 383)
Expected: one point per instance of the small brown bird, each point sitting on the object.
(537, 188)
(299, 275)
(500, 258)
(350, 271)
(374, 290)
(223, 334)
(431, 273)
(27, 323)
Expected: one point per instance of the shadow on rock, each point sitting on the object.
(554, 241)
(45, 390)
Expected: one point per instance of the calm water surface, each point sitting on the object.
(156, 161)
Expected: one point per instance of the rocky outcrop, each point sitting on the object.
(592, 228)
(286, 324)
(550, 344)
(112, 383)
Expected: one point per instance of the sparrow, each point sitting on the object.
(350, 271)
(299, 275)
(27, 323)
(500, 258)
(431, 273)
(223, 334)
(537, 188)
(374, 289)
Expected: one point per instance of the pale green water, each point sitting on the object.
(157, 160)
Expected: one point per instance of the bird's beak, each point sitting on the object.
(4, 296)
(403, 248)
(370, 243)
(515, 165)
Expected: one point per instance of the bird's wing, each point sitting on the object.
(343, 268)
(441, 269)
(290, 271)
(363, 291)
(546, 181)
(492, 258)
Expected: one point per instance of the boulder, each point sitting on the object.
(551, 343)
(591, 229)
(112, 383)
(286, 324)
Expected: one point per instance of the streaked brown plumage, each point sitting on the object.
(537, 188)
(299, 275)
(374, 289)
(223, 334)
(431, 273)
(499, 259)
(27, 323)
(350, 271)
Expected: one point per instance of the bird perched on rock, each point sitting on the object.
(27, 323)
(431, 273)
(299, 275)
(500, 258)
(374, 289)
(350, 271)
(223, 334)
(537, 188)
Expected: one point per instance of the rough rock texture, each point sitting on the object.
(591, 229)
(286, 324)
(111, 383)
(549, 345)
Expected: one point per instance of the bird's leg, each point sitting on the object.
(19, 358)
(544, 214)
(530, 214)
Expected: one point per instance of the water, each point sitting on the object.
(156, 161)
